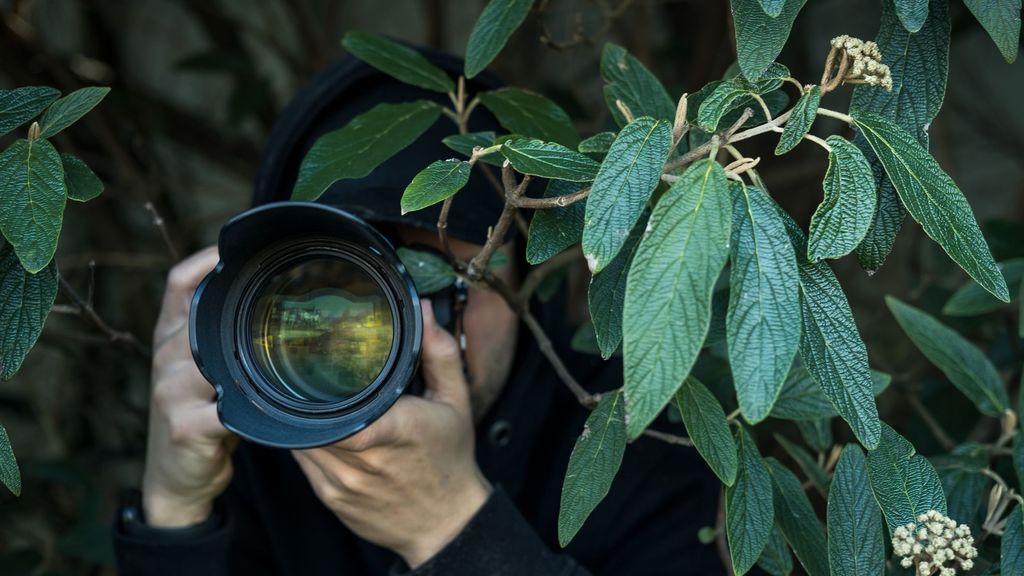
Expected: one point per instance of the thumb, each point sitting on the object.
(442, 363)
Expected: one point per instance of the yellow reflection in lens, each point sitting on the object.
(322, 330)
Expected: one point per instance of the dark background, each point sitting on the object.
(196, 86)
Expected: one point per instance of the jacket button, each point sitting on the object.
(500, 434)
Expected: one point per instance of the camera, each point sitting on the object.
(309, 327)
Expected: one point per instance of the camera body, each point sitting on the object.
(309, 328)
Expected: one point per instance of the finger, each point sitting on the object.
(181, 285)
(204, 422)
(380, 432)
(442, 363)
(313, 471)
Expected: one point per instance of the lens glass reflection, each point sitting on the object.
(322, 330)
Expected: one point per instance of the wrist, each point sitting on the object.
(429, 544)
(165, 511)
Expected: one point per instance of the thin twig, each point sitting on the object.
(551, 202)
(158, 221)
(725, 137)
(539, 273)
(85, 309)
(669, 438)
(930, 421)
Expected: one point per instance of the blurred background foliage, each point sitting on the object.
(196, 87)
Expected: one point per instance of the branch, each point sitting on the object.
(538, 274)
(497, 236)
(725, 137)
(85, 309)
(551, 202)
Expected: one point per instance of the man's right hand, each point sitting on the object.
(188, 454)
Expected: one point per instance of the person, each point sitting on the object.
(463, 480)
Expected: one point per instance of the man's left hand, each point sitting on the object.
(409, 481)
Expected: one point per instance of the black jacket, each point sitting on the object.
(270, 522)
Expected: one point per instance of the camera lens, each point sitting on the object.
(322, 330)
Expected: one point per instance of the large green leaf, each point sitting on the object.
(492, 30)
(1011, 548)
(81, 183)
(23, 104)
(816, 433)
(27, 299)
(725, 96)
(592, 466)
(802, 399)
(598, 144)
(32, 200)
(430, 272)
(912, 13)
(933, 199)
(796, 518)
(855, 541)
(668, 291)
(607, 293)
(963, 482)
(70, 109)
(440, 180)
(628, 80)
(904, 483)
(549, 160)
(799, 124)
(830, 345)
(772, 7)
(749, 511)
(397, 60)
(844, 215)
(552, 230)
(465, 143)
(763, 321)
(10, 476)
(369, 139)
(971, 299)
(707, 427)
(1001, 19)
(529, 114)
(760, 37)
(775, 558)
(622, 188)
(962, 362)
(808, 465)
(919, 64)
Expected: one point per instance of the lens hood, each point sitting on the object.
(254, 247)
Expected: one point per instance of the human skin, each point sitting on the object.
(408, 482)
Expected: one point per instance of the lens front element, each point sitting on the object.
(322, 330)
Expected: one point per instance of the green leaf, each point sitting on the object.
(607, 293)
(844, 215)
(797, 519)
(830, 345)
(529, 114)
(912, 13)
(919, 64)
(553, 230)
(802, 399)
(971, 299)
(818, 477)
(464, 144)
(707, 427)
(27, 299)
(599, 143)
(585, 340)
(962, 362)
(760, 37)
(628, 80)
(855, 541)
(70, 109)
(82, 184)
(549, 160)
(772, 7)
(32, 200)
(430, 272)
(963, 483)
(799, 124)
(440, 180)
(23, 104)
(492, 30)
(679, 260)
(10, 476)
(729, 93)
(763, 321)
(622, 188)
(1018, 453)
(775, 558)
(816, 433)
(1011, 548)
(356, 149)
(592, 465)
(904, 483)
(933, 199)
(397, 60)
(749, 512)
(1001, 19)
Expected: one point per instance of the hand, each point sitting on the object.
(188, 452)
(409, 481)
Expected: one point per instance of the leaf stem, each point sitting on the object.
(834, 114)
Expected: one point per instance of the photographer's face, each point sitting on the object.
(490, 325)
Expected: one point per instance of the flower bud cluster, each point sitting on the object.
(866, 62)
(936, 544)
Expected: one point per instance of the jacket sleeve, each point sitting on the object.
(498, 541)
